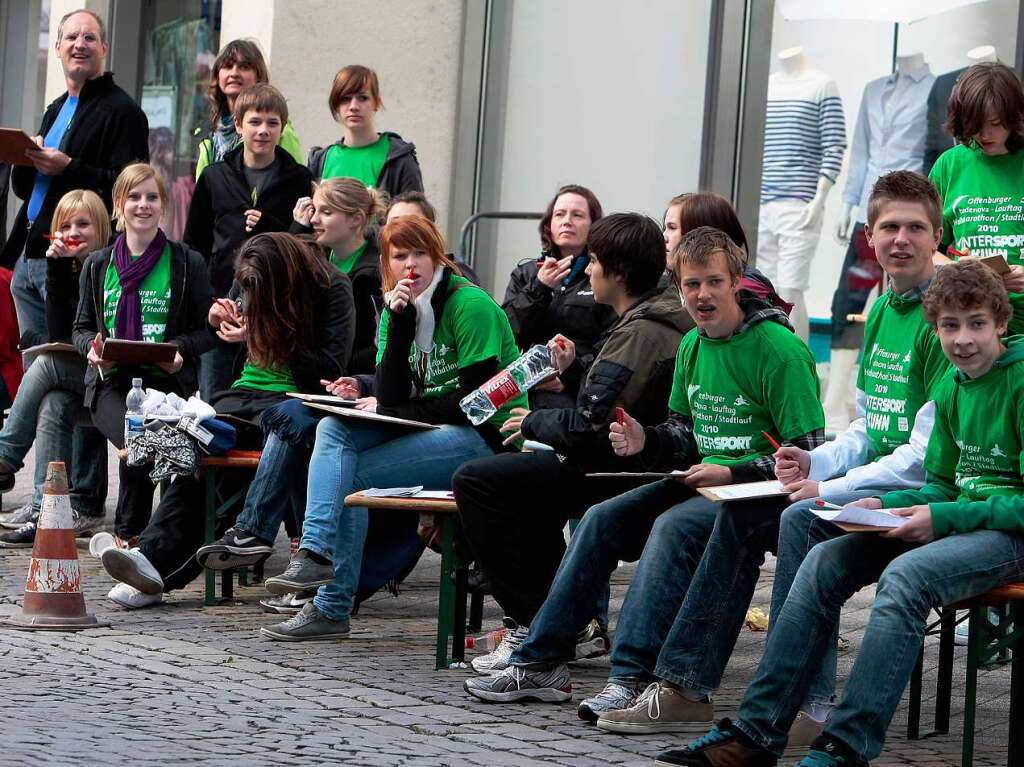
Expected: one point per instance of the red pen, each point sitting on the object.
(71, 242)
(771, 440)
(620, 416)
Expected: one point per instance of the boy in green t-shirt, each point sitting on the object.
(742, 378)
(974, 485)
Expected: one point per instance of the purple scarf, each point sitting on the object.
(131, 272)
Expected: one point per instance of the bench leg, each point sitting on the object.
(944, 682)
(914, 712)
(227, 584)
(211, 527)
(446, 592)
(459, 619)
(974, 651)
(1015, 746)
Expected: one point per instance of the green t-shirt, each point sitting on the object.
(363, 162)
(154, 295)
(974, 452)
(471, 329)
(983, 207)
(264, 379)
(902, 364)
(346, 264)
(761, 379)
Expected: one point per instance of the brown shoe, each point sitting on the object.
(801, 734)
(722, 746)
(659, 709)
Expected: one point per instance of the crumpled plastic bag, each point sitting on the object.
(159, 404)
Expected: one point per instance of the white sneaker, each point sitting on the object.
(614, 697)
(133, 568)
(132, 598)
(17, 518)
(498, 660)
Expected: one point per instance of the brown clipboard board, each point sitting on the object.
(13, 143)
(136, 352)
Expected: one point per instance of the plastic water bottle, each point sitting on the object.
(134, 423)
(530, 369)
(490, 640)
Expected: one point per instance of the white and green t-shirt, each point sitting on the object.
(762, 379)
(154, 297)
(983, 207)
(902, 364)
(471, 329)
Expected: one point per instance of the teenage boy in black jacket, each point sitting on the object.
(513, 529)
(251, 191)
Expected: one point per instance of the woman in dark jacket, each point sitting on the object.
(381, 160)
(143, 288)
(293, 314)
(342, 215)
(552, 294)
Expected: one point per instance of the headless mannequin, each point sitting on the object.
(904, 66)
(794, 63)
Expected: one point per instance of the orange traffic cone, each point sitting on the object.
(53, 592)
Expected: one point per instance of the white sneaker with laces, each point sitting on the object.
(133, 568)
(17, 518)
(132, 598)
(498, 660)
(614, 697)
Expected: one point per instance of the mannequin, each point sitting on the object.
(889, 135)
(805, 138)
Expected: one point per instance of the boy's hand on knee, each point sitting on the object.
(708, 475)
(917, 528)
(802, 489)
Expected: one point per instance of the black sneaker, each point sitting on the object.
(827, 751)
(22, 538)
(723, 744)
(289, 604)
(302, 573)
(236, 548)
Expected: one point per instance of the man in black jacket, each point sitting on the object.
(515, 530)
(251, 191)
(87, 136)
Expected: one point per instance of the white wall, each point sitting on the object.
(856, 52)
(605, 94)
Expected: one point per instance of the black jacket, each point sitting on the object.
(537, 312)
(107, 132)
(401, 171)
(334, 323)
(395, 380)
(186, 321)
(633, 369)
(216, 215)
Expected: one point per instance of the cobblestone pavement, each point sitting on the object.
(184, 684)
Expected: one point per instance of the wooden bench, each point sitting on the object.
(992, 641)
(210, 467)
(452, 591)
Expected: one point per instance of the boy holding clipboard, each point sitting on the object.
(741, 372)
(974, 486)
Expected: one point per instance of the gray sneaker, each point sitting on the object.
(614, 697)
(520, 683)
(592, 642)
(17, 518)
(310, 625)
(87, 525)
(302, 573)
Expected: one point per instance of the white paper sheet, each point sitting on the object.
(858, 515)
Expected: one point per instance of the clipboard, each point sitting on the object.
(638, 474)
(136, 352)
(52, 347)
(351, 412)
(13, 143)
(743, 491)
(997, 264)
(324, 399)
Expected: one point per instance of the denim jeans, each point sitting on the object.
(278, 487)
(48, 404)
(601, 615)
(800, 531)
(626, 527)
(28, 287)
(351, 456)
(911, 581)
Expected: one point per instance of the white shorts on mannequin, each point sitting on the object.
(784, 251)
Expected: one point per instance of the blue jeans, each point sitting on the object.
(602, 601)
(48, 404)
(911, 581)
(351, 456)
(628, 527)
(29, 291)
(800, 531)
(276, 489)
